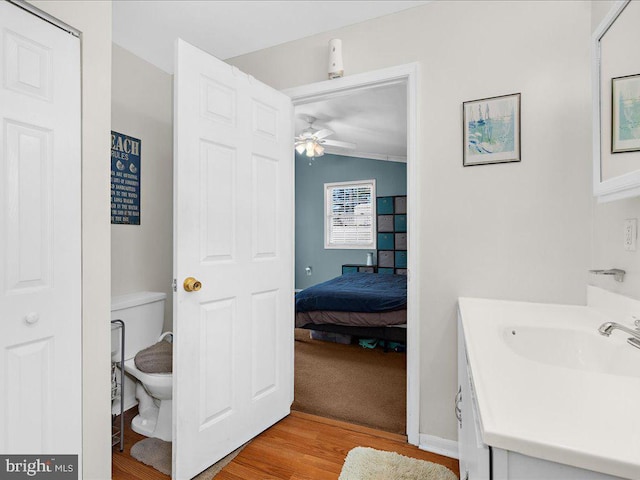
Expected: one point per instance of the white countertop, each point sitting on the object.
(583, 414)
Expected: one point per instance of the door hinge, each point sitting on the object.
(175, 285)
(458, 409)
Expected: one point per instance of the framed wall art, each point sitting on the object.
(125, 179)
(625, 114)
(491, 129)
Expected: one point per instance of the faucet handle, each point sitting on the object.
(636, 322)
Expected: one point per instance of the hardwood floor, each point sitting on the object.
(123, 465)
(299, 447)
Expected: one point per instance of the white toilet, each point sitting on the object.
(143, 316)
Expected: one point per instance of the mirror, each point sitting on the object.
(616, 103)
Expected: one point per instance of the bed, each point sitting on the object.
(365, 305)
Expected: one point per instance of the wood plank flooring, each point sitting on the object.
(123, 465)
(299, 447)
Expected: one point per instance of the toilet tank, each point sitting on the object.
(143, 316)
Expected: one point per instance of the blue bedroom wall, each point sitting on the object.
(391, 179)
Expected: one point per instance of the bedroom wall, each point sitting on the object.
(512, 231)
(93, 19)
(142, 107)
(608, 221)
(391, 179)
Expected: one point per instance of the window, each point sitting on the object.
(350, 214)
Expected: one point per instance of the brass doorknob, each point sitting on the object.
(191, 284)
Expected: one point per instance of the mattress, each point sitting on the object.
(355, 319)
(355, 292)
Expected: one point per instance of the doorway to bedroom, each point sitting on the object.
(352, 253)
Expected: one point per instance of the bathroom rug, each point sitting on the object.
(157, 454)
(363, 463)
(153, 452)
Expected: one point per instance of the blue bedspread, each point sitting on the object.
(355, 292)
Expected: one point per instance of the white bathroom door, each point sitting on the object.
(40, 276)
(233, 232)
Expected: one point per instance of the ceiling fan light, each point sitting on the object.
(319, 150)
(300, 148)
(310, 146)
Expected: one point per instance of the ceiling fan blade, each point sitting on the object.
(338, 143)
(305, 134)
(325, 132)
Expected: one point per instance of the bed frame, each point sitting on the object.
(388, 334)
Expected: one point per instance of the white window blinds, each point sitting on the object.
(350, 214)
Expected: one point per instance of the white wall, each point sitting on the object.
(599, 8)
(142, 107)
(93, 19)
(608, 222)
(511, 231)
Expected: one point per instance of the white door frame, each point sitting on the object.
(407, 74)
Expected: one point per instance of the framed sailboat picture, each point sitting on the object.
(625, 114)
(491, 130)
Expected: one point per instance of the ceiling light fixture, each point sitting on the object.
(311, 141)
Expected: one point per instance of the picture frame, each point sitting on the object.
(491, 129)
(625, 114)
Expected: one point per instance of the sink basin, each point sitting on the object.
(548, 385)
(575, 349)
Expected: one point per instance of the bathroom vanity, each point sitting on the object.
(542, 395)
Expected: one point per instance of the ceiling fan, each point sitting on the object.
(312, 141)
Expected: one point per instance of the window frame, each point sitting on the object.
(327, 217)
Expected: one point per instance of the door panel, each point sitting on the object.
(264, 196)
(30, 360)
(233, 349)
(27, 65)
(216, 348)
(218, 206)
(40, 275)
(28, 183)
(264, 343)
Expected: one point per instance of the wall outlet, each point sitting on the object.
(630, 234)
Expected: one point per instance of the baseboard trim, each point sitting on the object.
(129, 403)
(441, 446)
(350, 426)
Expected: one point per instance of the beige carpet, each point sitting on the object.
(350, 383)
(157, 454)
(363, 463)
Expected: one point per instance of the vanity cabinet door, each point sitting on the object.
(473, 453)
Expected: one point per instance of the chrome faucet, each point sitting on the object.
(608, 327)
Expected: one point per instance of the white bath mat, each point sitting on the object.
(364, 463)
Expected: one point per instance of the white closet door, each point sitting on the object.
(40, 275)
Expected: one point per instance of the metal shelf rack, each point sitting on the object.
(117, 389)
